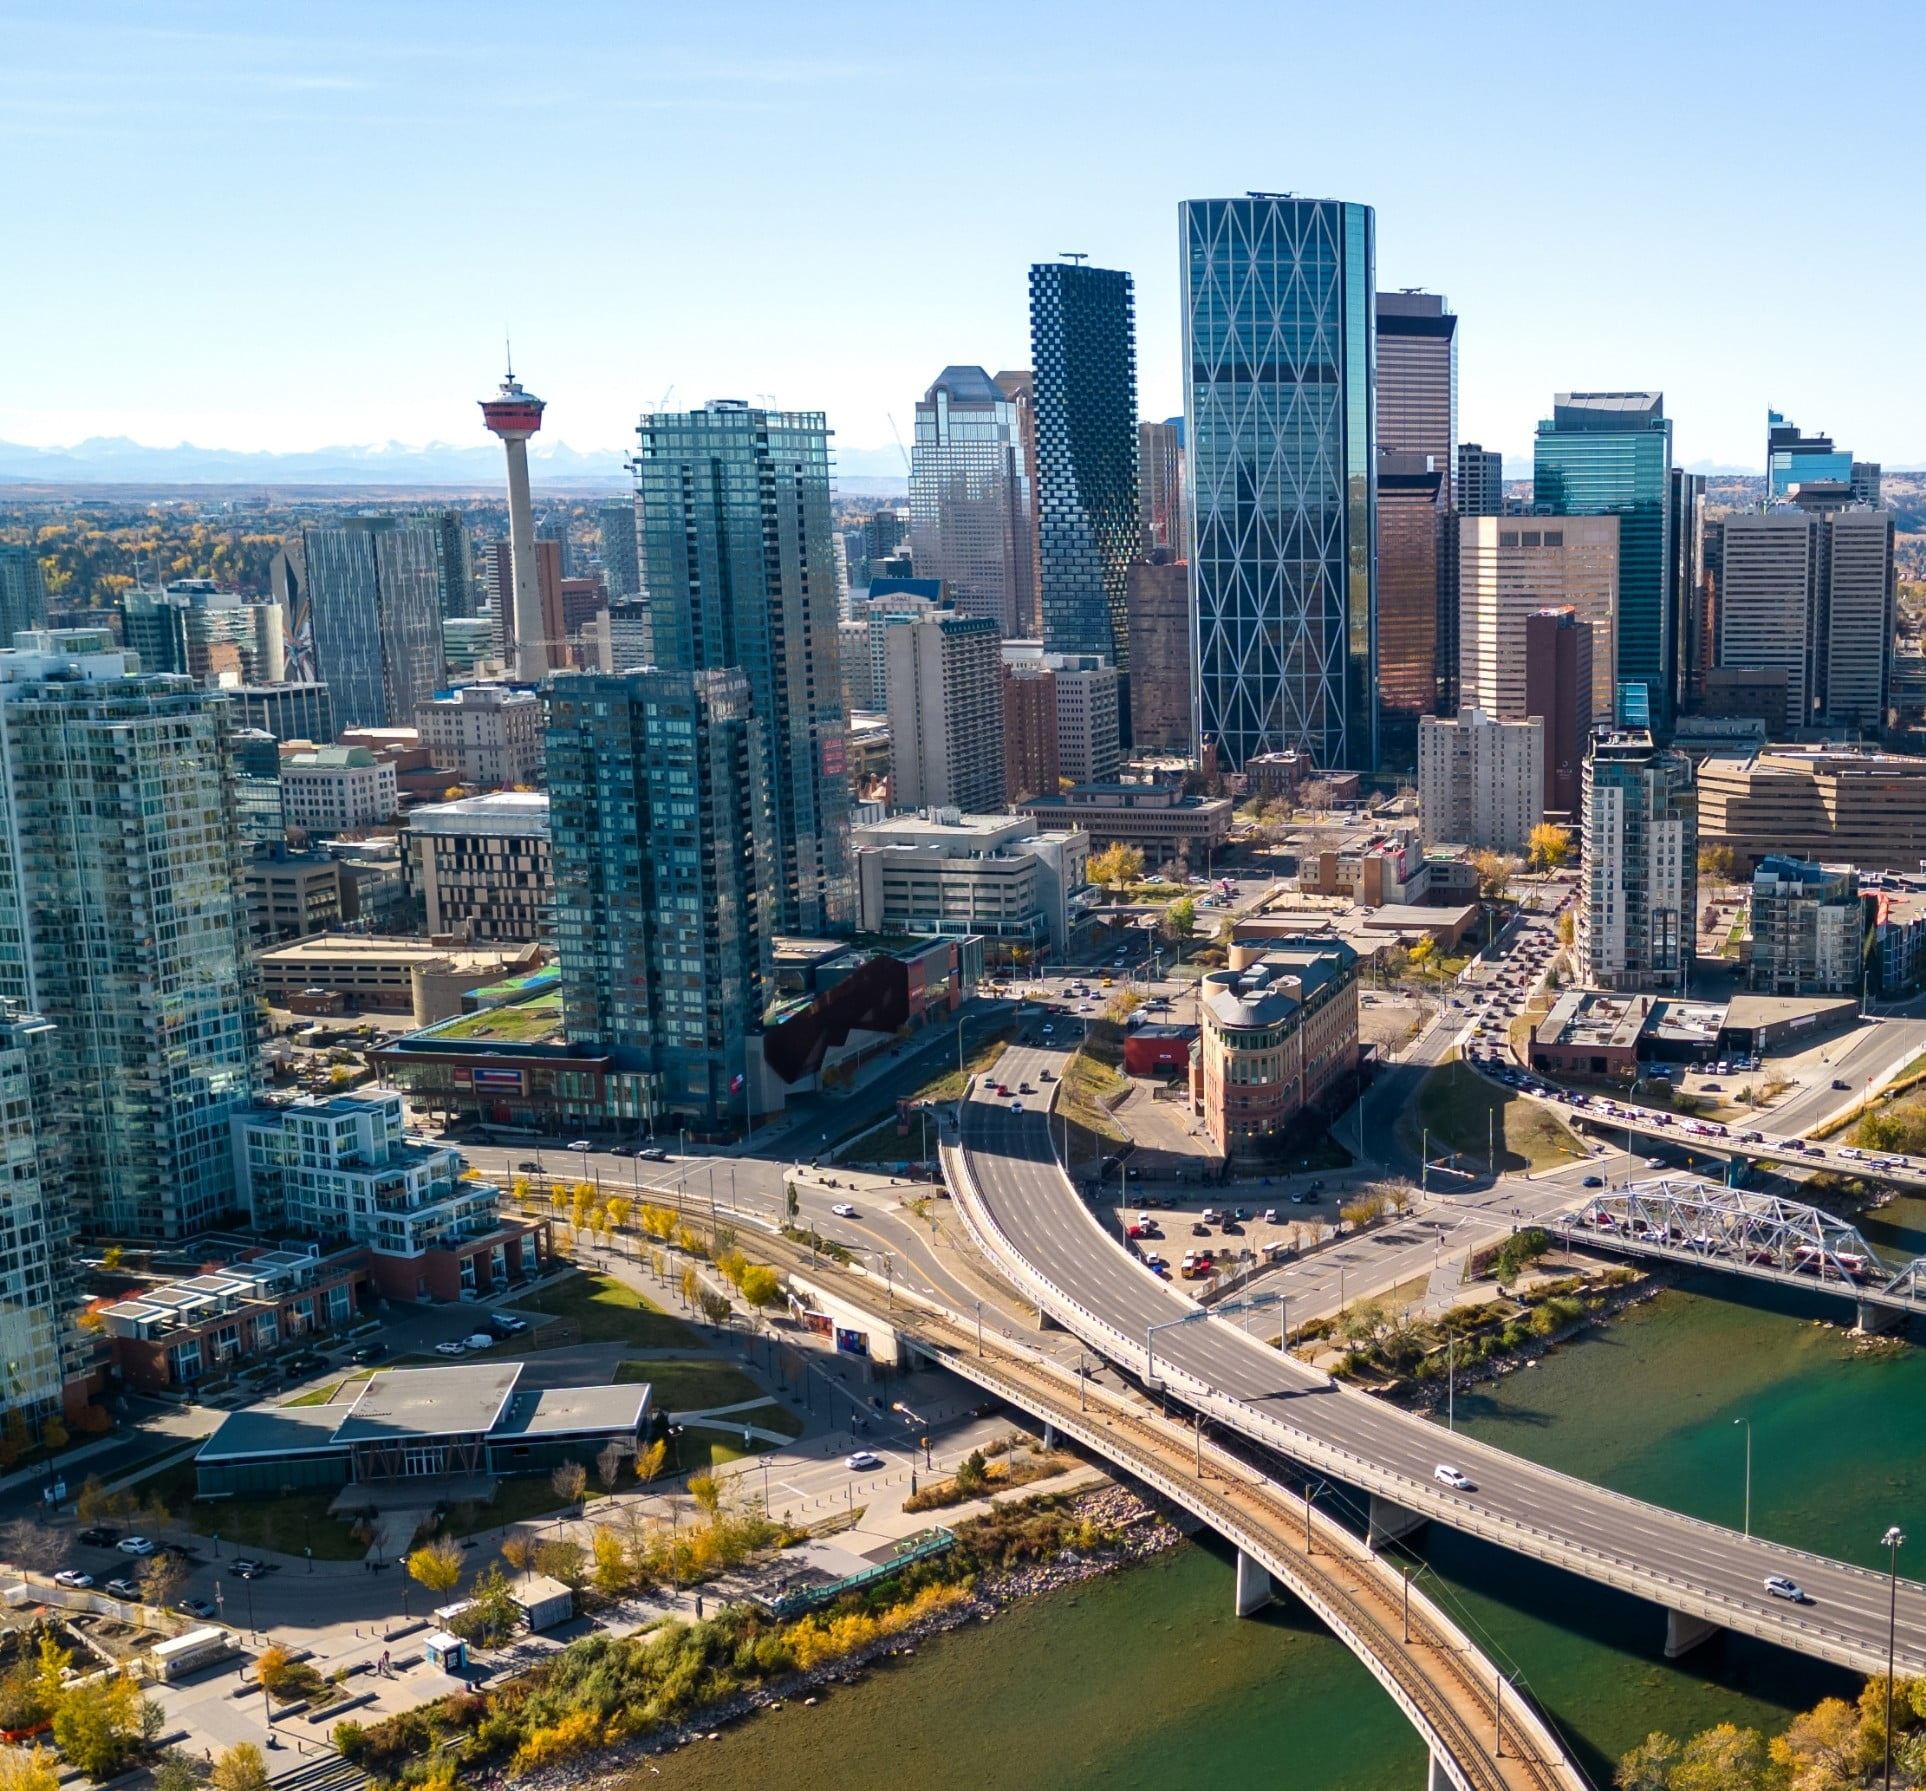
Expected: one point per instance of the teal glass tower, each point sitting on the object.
(1610, 454)
(738, 558)
(1279, 395)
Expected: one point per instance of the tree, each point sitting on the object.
(241, 1768)
(608, 1465)
(1116, 865)
(1821, 1748)
(568, 1480)
(161, 1576)
(274, 1667)
(1398, 1193)
(562, 1558)
(518, 1551)
(649, 1460)
(33, 1769)
(619, 1208)
(1549, 846)
(98, 1723)
(690, 1285)
(1647, 1766)
(1317, 795)
(1180, 919)
(1567, 928)
(706, 1490)
(715, 1307)
(437, 1565)
(1725, 1758)
(613, 1572)
(1494, 873)
(1719, 862)
(491, 1613)
(761, 1286)
(173, 1771)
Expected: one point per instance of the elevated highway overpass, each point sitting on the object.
(1032, 1223)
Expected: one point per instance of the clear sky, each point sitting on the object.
(294, 223)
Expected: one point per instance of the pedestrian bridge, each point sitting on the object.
(1765, 1237)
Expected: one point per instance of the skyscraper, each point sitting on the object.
(454, 561)
(1418, 381)
(1638, 888)
(1160, 488)
(1279, 378)
(1158, 597)
(374, 596)
(1558, 690)
(1689, 585)
(1030, 758)
(970, 497)
(1019, 385)
(1414, 587)
(515, 415)
(121, 884)
(1480, 487)
(659, 838)
(23, 591)
(621, 570)
(944, 691)
(1509, 568)
(1610, 454)
(1083, 350)
(40, 1276)
(740, 571)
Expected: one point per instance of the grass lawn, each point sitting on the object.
(1086, 1084)
(605, 1310)
(289, 1521)
(949, 1085)
(325, 1395)
(884, 1146)
(702, 1386)
(1457, 1107)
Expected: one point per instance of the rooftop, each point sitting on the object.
(460, 1401)
(512, 812)
(566, 1411)
(272, 1430)
(534, 1021)
(368, 948)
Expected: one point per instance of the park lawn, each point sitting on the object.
(288, 1521)
(677, 1385)
(884, 1146)
(949, 1085)
(605, 1310)
(1456, 1106)
(1083, 1091)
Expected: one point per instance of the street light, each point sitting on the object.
(1894, 1541)
(1747, 1422)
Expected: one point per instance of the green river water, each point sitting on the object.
(1144, 1678)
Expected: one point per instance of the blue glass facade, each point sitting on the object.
(1280, 386)
(1610, 454)
(374, 589)
(738, 558)
(1083, 348)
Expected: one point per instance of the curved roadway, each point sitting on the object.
(1683, 1563)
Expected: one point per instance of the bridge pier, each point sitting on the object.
(1390, 1522)
(1683, 1633)
(1254, 1588)
(1876, 1319)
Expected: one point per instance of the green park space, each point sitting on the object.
(1468, 1113)
(699, 1386)
(602, 1309)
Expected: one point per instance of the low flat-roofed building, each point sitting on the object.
(1158, 818)
(386, 975)
(469, 1422)
(1866, 809)
(291, 895)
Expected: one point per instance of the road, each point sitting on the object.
(1675, 1561)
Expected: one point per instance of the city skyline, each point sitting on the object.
(1543, 311)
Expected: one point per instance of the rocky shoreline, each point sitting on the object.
(1145, 1530)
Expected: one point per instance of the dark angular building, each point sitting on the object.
(1083, 344)
(1160, 656)
(1558, 690)
(1411, 594)
(1480, 487)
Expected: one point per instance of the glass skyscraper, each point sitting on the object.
(374, 595)
(1083, 348)
(658, 826)
(1279, 390)
(972, 521)
(1610, 454)
(740, 567)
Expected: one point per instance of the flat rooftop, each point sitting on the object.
(430, 1402)
(567, 1411)
(361, 948)
(508, 812)
(272, 1430)
(532, 1022)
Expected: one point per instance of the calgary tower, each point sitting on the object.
(515, 415)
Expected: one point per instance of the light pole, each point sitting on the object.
(1747, 1422)
(1894, 1541)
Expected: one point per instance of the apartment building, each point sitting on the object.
(481, 866)
(491, 734)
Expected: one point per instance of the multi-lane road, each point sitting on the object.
(1700, 1570)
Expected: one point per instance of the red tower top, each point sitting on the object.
(512, 414)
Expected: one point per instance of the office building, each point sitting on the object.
(737, 558)
(1829, 804)
(1481, 782)
(193, 626)
(972, 506)
(1480, 486)
(23, 590)
(860, 695)
(374, 604)
(1083, 349)
(664, 868)
(430, 979)
(1161, 497)
(1610, 454)
(631, 637)
(40, 1277)
(1278, 427)
(287, 711)
(337, 789)
(1691, 589)
(120, 882)
(1279, 1039)
(1031, 766)
(945, 701)
(1088, 722)
(1413, 601)
(469, 646)
(290, 894)
(1019, 385)
(454, 561)
(889, 600)
(621, 564)
(1809, 928)
(1001, 877)
(481, 866)
(489, 734)
(1418, 381)
(1558, 691)
(1168, 826)
(1795, 459)
(256, 761)
(1638, 887)
(1809, 595)
(1511, 567)
(498, 580)
(1157, 599)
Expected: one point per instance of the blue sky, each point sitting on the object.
(284, 224)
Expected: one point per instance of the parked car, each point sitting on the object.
(136, 1545)
(450, 1348)
(653, 1153)
(74, 1579)
(506, 1324)
(369, 1352)
(476, 1340)
(197, 1607)
(123, 1588)
(98, 1537)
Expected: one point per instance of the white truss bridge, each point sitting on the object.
(1682, 1219)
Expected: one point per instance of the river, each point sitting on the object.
(1145, 1679)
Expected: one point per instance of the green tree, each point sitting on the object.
(98, 1724)
(241, 1768)
(1180, 919)
(1725, 1758)
(173, 1771)
(564, 1559)
(34, 1769)
(491, 1614)
(1647, 1766)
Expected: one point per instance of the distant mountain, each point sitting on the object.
(114, 460)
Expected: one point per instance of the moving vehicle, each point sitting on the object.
(581, 1144)
(529, 1168)
(843, 1210)
(862, 1462)
(1780, 1587)
(653, 1153)
(250, 1569)
(368, 1352)
(98, 1537)
(1454, 1478)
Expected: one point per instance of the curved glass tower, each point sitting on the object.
(1279, 338)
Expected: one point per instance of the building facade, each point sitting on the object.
(1481, 782)
(741, 573)
(1083, 349)
(23, 591)
(1161, 489)
(1510, 568)
(1167, 825)
(291, 895)
(1031, 765)
(1479, 489)
(1157, 597)
(373, 592)
(40, 1280)
(664, 876)
(1637, 899)
(945, 698)
(337, 789)
(124, 908)
(288, 711)
(1559, 692)
(481, 866)
(621, 563)
(1088, 720)
(1809, 928)
(1414, 601)
(1864, 808)
(490, 734)
(972, 506)
(1278, 309)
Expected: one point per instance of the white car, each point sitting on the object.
(843, 1210)
(73, 1578)
(581, 1144)
(1454, 1478)
(451, 1348)
(862, 1462)
(136, 1545)
(478, 1340)
(1780, 1587)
